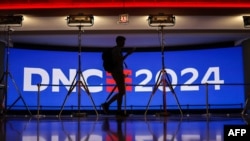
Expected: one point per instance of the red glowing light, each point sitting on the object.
(71, 4)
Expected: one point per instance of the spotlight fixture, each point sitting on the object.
(11, 20)
(80, 20)
(161, 20)
(246, 20)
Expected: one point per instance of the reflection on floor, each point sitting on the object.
(112, 128)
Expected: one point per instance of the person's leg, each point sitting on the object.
(120, 82)
(122, 91)
(112, 99)
(117, 97)
(105, 106)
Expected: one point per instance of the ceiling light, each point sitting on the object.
(246, 20)
(80, 20)
(161, 20)
(11, 20)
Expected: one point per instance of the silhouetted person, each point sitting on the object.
(118, 75)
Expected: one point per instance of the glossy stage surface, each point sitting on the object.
(195, 127)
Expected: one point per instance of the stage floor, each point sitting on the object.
(193, 127)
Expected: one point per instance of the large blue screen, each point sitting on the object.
(188, 72)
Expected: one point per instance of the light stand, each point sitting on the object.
(79, 80)
(163, 79)
(13, 21)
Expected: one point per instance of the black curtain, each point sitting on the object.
(2, 53)
(246, 64)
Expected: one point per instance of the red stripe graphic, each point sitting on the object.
(111, 83)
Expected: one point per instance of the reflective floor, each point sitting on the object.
(111, 128)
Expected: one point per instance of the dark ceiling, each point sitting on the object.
(195, 26)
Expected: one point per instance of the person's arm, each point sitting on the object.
(128, 53)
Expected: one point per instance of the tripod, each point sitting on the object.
(7, 75)
(79, 81)
(163, 80)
